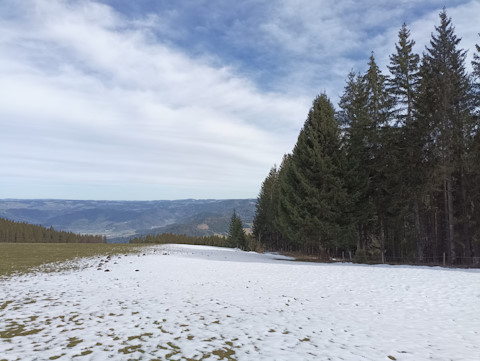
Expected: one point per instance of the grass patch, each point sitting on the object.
(24, 257)
(4, 305)
(140, 337)
(73, 341)
(56, 357)
(14, 329)
(84, 353)
(225, 354)
(131, 349)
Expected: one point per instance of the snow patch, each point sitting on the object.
(179, 301)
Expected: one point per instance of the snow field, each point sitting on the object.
(192, 303)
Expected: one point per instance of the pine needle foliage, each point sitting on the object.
(394, 173)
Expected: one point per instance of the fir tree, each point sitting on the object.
(379, 102)
(236, 235)
(355, 122)
(264, 227)
(476, 77)
(314, 194)
(406, 143)
(403, 83)
(444, 106)
(476, 62)
(287, 196)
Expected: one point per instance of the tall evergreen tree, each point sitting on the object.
(444, 105)
(379, 101)
(476, 62)
(285, 220)
(407, 144)
(354, 118)
(403, 83)
(264, 226)
(380, 145)
(476, 77)
(474, 160)
(315, 206)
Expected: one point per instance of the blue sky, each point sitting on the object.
(145, 99)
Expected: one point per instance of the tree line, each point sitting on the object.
(166, 238)
(236, 238)
(21, 232)
(394, 172)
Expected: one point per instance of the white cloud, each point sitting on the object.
(95, 102)
(327, 39)
(88, 97)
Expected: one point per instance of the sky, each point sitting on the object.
(146, 100)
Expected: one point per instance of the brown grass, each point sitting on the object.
(25, 257)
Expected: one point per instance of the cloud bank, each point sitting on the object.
(119, 100)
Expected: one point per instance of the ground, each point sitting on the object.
(177, 302)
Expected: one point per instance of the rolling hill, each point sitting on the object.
(123, 219)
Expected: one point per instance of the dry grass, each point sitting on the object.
(24, 257)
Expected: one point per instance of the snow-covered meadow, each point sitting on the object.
(192, 303)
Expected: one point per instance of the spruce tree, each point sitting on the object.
(354, 118)
(403, 83)
(264, 226)
(474, 160)
(380, 143)
(312, 194)
(287, 198)
(236, 235)
(476, 77)
(444, 106)
(476, 62)
(379, 101)
(406, 143)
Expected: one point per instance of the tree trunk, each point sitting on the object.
(418, 233)
(449, 226)
(435, 230)
(466, 234)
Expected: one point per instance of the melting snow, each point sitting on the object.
(192, 302)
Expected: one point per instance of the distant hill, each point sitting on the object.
(123, 219)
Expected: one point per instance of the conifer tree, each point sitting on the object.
(287, 197)
(315, 205)
(264, 226)
(476, 61)
(406, 143)
(474, 160)
(380, 145)
(354, 118)
(445, 107)
(379, 101)
(476, 77)
(236, 235)
(403, 83)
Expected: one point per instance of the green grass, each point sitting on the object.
(25, 257)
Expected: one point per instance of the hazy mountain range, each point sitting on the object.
(116, 219)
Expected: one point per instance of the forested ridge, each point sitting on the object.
(21, 232)
(394, 173)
